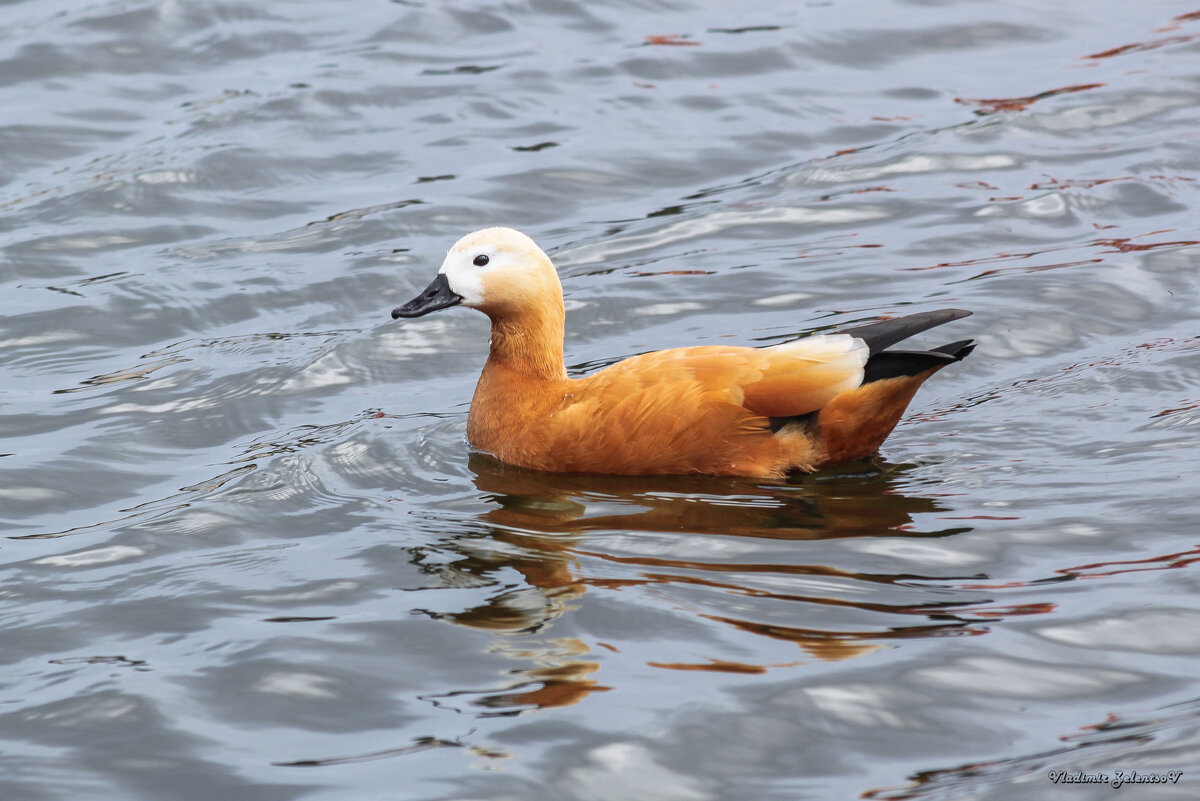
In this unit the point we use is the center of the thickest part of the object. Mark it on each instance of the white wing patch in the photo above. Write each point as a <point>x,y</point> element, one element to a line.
<point>839,351</point>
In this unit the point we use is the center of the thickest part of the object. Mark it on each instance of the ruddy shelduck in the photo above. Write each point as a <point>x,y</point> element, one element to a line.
<point>715,409</point>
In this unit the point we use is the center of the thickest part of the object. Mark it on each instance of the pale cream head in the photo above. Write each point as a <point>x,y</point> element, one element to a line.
<point>499,269</point>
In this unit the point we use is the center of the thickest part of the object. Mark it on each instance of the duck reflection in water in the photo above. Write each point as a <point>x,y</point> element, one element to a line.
<point>861,502</point>
<point>565,534</point>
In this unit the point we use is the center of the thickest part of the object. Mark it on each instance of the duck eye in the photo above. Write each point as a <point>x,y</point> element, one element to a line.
<point>481,260</point>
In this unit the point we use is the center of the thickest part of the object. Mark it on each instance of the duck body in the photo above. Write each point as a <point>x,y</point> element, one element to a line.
<point>717,410</point>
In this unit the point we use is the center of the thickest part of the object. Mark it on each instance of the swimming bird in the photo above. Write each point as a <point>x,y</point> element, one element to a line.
<point>720,410</point>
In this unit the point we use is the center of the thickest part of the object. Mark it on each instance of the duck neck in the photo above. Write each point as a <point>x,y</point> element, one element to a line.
<point>529,343</point>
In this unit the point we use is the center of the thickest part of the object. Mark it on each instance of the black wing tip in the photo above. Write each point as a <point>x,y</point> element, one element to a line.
<point>885,333</point>
<point>957,350</point>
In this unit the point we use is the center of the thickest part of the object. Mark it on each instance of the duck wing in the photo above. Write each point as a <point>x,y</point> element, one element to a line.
<point>780,381</point>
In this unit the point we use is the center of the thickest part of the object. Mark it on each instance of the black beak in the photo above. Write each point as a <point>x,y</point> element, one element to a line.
<point>437,295</point>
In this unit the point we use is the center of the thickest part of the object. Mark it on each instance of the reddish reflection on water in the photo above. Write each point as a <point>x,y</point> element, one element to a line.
<point>1022,103</point>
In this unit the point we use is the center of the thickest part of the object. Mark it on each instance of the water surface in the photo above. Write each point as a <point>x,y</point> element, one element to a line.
<point>249,555</point>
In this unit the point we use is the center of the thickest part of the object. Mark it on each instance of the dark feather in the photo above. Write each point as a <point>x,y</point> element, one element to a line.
<point>805,420</point>
<point>886,333</point>
<point>897,363</point>
<point>959,350</point>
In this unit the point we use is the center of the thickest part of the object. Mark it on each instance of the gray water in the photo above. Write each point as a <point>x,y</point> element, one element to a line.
<point>248,554</point>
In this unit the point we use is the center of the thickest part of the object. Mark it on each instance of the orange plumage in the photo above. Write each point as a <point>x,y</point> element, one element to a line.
<point>719,410</point>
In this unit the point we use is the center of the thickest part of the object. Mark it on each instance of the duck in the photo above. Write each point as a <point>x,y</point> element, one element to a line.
<point>759,412</point>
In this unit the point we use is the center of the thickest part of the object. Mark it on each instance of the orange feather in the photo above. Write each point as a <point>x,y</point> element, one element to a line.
<point>719,410</point>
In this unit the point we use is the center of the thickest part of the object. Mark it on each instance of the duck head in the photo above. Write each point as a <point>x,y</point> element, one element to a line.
<point>499,271</point>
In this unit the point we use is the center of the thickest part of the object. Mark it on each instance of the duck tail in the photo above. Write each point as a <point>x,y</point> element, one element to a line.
<point>855,423</point>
